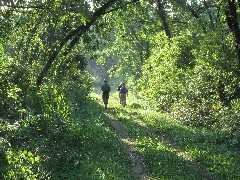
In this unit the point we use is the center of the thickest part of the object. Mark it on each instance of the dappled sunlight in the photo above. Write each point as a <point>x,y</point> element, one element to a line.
<point>177,119</point>
<point>162,141</point>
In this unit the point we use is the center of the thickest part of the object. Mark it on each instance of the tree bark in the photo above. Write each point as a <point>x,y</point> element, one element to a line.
<point>163,16</point>
<point>232,21</point>
<point>75,36</point>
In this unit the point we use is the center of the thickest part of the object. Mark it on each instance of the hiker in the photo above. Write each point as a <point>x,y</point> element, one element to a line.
<point>118,89</point>
<point>105,93</point>
<point>123,93</point>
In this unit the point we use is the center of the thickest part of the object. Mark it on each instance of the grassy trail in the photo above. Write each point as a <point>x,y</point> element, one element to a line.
<point>137,169</point>
<point>159,147</point>
<point>118,143</point>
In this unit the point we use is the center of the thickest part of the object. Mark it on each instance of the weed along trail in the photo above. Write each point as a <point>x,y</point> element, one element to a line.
<point>199,169</point>
<point>160,147</point>
<point>137,166</point>
<point>139,170</point>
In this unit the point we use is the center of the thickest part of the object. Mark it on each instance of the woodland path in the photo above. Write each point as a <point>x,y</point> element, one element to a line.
<point>138,168</point>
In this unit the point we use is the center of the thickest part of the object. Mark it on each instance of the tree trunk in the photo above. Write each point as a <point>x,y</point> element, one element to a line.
<point>232,20</point>
<point>163,17</point>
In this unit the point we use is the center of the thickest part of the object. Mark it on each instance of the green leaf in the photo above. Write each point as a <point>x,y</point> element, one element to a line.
<point>37,158</point>
<point>29,154</point>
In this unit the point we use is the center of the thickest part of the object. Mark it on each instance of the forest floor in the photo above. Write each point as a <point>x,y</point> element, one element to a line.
<point>139,169</point>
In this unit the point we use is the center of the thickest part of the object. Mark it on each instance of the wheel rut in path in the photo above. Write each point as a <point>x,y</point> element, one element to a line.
<point>137,166</point>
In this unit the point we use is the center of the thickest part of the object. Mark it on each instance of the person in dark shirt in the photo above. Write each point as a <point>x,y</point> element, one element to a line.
<point>105,93</point>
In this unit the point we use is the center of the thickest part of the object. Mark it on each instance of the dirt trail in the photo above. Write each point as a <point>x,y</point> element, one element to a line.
<point>137,166</point>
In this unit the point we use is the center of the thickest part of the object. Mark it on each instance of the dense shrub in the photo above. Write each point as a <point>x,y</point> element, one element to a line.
<point>13,84</point>
<point>194,80</point>
<point>36,119</point>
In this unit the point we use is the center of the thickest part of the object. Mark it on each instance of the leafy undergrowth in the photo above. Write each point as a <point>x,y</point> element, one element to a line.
<point>87,146</point>
<point>174,151</point>
<point>81,148</point>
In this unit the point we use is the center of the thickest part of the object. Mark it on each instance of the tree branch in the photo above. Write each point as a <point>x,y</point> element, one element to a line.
<point>75,36</point>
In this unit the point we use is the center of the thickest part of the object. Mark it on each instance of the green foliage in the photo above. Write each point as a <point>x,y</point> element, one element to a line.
<point>162,86</point>
<point>21,165</point>
<point>199,100</point>
<point>209,87</point>
<point>193,76</point>
<point>3,156</point>
<point>229,120</point>
<point>80,147</point>
<point>193,79</point>
<point>13,84</point>
<point>171,150</point>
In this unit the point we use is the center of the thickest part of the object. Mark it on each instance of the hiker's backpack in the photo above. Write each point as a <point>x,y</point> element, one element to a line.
<point>106,89</point>
<point>123,90</point>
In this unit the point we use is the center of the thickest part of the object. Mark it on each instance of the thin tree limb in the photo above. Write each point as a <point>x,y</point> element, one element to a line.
<point>75,34</point>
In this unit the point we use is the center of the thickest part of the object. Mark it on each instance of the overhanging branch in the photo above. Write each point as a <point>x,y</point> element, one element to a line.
<point>74,35</point>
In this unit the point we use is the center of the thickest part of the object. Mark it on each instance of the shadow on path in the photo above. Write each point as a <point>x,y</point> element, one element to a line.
<point>173,154</point>
<point>137,166</point>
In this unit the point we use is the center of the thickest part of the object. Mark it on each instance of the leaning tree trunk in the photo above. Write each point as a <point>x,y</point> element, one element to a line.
<point>232,20</point>
<point>163,16</point>
<point>74,36</point>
